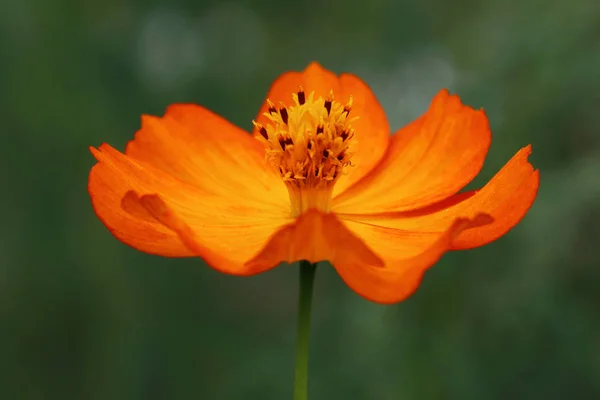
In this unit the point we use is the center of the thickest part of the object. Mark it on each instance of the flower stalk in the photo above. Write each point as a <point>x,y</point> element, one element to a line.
<point>307,277</point>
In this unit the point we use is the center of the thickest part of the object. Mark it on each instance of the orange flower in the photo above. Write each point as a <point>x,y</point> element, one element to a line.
<point>322,179</point>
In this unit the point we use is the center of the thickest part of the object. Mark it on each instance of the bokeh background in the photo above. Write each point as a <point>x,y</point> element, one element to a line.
<point>84,317</point>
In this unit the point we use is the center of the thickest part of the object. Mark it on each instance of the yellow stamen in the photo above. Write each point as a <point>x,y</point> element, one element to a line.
<point>307,144</point>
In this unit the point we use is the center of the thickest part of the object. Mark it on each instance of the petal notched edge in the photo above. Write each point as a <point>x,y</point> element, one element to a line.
<point>508,196</point>
<point>127,222</point>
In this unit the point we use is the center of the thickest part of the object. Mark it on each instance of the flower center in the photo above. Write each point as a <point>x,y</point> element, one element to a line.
<point>307,144</point>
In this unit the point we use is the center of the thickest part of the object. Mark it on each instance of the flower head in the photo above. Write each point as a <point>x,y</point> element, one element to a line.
<point>308,144</point>
<point>320,178</point>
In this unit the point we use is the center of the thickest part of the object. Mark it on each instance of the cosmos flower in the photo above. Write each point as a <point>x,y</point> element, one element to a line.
<point>320,178</point>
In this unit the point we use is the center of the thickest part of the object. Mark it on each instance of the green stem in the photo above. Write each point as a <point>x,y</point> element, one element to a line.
<point>307,277</point>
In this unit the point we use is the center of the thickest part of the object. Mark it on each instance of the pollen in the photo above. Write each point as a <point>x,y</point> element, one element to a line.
<point>307,144</point>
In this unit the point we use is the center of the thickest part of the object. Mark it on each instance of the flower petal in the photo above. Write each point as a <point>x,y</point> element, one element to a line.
<point>506,198</point>
<point>372,130</point>
<point>407,256</point>
<point>205,150</point>
<point>315,237</point>
<point>155,213</point>
<point>429,160</point>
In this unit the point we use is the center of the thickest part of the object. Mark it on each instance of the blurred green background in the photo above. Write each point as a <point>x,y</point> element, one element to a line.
<point>84,317</point>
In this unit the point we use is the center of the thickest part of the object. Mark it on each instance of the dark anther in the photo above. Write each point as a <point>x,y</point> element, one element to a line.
<point>340,157</point>
<point>289,142</point>
<point>335,175</point>
<point>345,135</point>
<point>282,143</point>
<point>328,106</point>
<point>263,132</point>
<point>325,153</point>
<point>320,129</point>
<point>272,110</point>
<point>309,145</point>
<point>301,97</point>
<point>284,114</point>
<point>347,110</point>
<point>317,172</point>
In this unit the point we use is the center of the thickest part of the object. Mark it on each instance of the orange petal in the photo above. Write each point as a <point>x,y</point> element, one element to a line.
<point>407,256</point>
<point>372,130</point>
<point>315,237</point>
<point>155,213</point>
<point>506,198</point>
<point>429,160</point>
<point>203,149</point>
